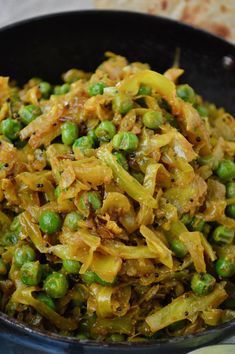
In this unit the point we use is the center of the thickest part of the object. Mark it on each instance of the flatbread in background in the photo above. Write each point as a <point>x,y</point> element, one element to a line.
<point>216,16</point>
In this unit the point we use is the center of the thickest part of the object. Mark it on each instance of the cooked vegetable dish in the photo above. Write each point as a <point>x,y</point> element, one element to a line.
<point>117,195</point>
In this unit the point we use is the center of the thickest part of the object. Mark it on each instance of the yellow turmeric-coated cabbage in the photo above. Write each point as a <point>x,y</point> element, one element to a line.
<point>117,204</point>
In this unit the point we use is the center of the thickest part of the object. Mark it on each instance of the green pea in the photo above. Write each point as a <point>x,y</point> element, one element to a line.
<point>49,222</point>
<point>29,113</point>
<point>82,336</point>
<point>96,89</point>
<point>223,234</point>
<point>116,337</point>
<point>94,200</point>
<point>187,93</point>
<point>145,90</point>
<point>121,159</point>
<point>45,89</point>
<point>179,248</point>
<point>226,170</point>
<point>153,119</point>
<point>83,143</point>
<point>71,266</point>
<point>15,225</point>
<point>90,200</point>
<point>9,238</point>
<point>196,224</point>
<point>230,211</point>
<point>31,273</point>
<point>122,104</point>
<point>93,136</point>
<point>90,277</point>
<point>64,88</point>
<point>224,267</point>
<point>71,220</point>
<point>61,90</point>
<point>125,141</point>
<point>202,110</point>
<point>138,175</point>
<point>69,132</point>
<point>3,267</point>
<point>230,190</point>
<point>24,254</point>
<point>57,192</point>
<point>47,300</point>
<point>105,131</point>
<point>10,128</point>
<point>3,165</point>
<point>202,283</point>
<point>56,285</point>
<point>56,90</point>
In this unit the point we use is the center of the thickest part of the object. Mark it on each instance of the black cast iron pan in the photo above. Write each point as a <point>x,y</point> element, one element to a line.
<point>49,45</point>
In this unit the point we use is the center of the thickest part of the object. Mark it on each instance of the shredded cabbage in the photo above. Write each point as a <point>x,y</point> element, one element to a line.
<point>115,189</point>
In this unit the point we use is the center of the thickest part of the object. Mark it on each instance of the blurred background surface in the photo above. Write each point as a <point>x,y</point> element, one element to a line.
<point>217,16</point>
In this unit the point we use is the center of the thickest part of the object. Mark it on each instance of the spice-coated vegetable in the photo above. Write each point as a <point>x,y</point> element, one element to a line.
<point>117,204</point>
